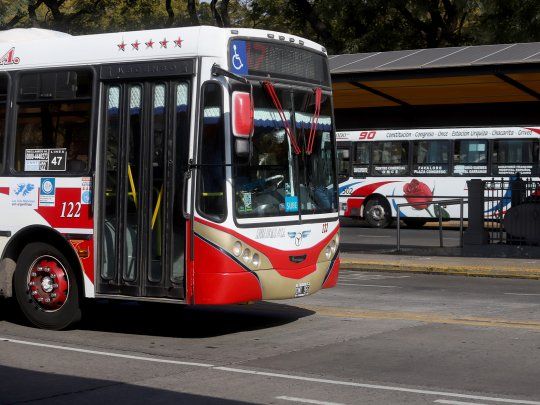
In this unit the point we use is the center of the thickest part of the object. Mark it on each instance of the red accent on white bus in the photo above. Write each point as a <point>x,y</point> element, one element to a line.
<point>242,114</point>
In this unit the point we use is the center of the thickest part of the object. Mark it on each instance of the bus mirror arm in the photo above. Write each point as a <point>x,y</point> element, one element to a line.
<point>219,71</point>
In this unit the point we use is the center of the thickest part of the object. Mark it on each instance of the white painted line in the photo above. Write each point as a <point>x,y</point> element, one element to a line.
<point>445,401</point>
<point>307,401</point>
<point>370,285</point>
<point>520,294</point>
<point>378,387</point>
<point>373,236</point>
<point>108,354</point>
<point>276,375</point>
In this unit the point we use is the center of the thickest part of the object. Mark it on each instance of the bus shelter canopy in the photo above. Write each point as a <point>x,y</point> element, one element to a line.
<point>438,76</point>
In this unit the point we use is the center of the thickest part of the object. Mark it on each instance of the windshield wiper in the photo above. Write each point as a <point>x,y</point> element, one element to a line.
<point>270,89</point>
<point>314,120</point>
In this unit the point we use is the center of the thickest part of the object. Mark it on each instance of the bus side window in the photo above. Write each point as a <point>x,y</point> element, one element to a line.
<point>211,185</point>
<point>511,156</point>
<point>343,159</point>
<point>53,122</point>
<point>470,157</point>
<point>361,160</point>
<point>390,158</point>
<point>431,157</point>
<point>3,111</point>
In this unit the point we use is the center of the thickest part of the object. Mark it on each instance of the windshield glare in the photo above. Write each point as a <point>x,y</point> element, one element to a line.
<point>277,182</point>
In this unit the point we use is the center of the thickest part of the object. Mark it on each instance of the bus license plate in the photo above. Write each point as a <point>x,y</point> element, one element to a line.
<point>302,289</point>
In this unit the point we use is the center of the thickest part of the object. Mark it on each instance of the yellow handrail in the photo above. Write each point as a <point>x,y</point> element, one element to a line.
<point>132,185</point>
<point>156,209</point>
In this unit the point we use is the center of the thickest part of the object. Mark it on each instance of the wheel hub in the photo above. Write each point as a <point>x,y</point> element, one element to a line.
<point>377,212</point>
<point>48,283</point>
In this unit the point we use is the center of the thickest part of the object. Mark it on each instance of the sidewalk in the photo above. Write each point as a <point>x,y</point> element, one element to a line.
<point>465,266</point>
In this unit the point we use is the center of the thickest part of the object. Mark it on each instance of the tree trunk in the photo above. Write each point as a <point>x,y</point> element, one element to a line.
<point>192,10</point>
<point>170,13</point>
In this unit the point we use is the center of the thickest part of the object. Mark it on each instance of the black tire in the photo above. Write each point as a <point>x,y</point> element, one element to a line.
<point>54,315</point>
<point>414,223</point>
<point>377,213</point>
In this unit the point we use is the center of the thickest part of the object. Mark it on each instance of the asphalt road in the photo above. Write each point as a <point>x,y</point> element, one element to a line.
<point>378,338</point>
<point>357,236</point>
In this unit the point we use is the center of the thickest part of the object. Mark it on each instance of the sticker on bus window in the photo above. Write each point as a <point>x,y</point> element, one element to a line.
<point>47,192</point>
<point>45,160</point>
<point>291,203</point>
<point>238,57</point>
<point>86,190</point>
<point>24,193</point>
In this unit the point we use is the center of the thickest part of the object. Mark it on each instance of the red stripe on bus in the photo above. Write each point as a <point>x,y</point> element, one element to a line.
<point>368,189</point>
<point>4,190</point>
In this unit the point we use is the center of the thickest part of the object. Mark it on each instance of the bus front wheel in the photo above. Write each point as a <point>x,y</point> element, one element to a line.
<point>377,213</point>
<point>46,287</point>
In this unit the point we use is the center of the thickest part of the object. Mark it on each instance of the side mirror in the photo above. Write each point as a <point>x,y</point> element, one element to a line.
<point>243,121</point>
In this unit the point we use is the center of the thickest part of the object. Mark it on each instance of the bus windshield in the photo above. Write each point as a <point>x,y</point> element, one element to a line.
<point>275,181</point>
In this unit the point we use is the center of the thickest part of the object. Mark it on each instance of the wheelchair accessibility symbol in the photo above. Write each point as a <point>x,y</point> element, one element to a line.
<point>238,54</point>
<point>236,60</point>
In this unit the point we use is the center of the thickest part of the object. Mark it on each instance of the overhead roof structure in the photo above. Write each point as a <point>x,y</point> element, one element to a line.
<point>437,76</point>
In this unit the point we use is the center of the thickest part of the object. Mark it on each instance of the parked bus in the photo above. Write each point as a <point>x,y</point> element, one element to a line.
<point>192,165</point>
<point>379,169</point>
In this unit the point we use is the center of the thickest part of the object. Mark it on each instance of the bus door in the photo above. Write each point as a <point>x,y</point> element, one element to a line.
<point>145,153</point>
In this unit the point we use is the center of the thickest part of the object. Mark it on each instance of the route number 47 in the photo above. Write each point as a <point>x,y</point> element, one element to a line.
<point>57,161</point>
<point>71,210</point>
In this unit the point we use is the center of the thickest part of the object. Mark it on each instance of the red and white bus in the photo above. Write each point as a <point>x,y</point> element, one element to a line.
<point>191,165</point>
<point>379,169</point>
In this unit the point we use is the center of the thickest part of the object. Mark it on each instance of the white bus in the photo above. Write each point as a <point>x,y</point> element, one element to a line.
<point>192,165</point>
<point>379,169</point>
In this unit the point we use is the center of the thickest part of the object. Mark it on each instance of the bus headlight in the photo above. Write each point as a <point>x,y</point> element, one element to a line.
<point>237,248</point>
<point>333,246</point>
<point>328,252</point>
<point>256,260</point>
<point>246,255</point>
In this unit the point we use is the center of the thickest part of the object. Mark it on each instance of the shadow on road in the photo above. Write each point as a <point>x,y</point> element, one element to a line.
<point>20,385</point>
<point>170,320</point>
<point>182,321</point>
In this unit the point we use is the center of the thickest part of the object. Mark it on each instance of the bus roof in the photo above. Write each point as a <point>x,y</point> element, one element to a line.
<point>439,133</point>
<point>35,48</point>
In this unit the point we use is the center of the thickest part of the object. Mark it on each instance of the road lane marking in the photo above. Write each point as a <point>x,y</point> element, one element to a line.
<point>307,401</point>
<point>520,294</point>
<point>371,285</point>
<point>371,236</point>
<point>108,354</point>
<point>445,401</point>
<point>274,375</point>
<point>340,312</point>
<point>378,387</point>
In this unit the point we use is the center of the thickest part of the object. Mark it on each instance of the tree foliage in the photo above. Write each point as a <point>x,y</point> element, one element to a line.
<point>340,25</point>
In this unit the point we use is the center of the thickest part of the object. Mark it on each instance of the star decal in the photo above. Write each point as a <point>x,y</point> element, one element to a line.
<point>136,44</point>
<point>122,46</point>
<point>149,44</point>
<point>164,43</point>
<point>178,42</point>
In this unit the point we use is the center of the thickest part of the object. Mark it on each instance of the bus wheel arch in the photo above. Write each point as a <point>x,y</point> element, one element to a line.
<point>34,234</point>
<point>377,211</point>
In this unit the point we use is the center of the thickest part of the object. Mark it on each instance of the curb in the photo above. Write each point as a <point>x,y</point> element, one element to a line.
<point>427,268</point>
